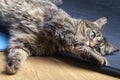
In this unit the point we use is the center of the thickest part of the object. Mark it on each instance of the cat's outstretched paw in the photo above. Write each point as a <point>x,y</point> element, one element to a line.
<point>13,66</point>
<point>104,61</point>
<point>100,61</point>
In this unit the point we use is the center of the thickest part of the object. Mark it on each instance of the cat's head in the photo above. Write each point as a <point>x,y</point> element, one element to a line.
<point>95,36</point>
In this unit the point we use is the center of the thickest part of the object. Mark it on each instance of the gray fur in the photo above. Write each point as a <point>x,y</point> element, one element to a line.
<point>39,27</point>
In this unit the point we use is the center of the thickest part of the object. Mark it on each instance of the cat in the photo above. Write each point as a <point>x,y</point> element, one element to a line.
<point>39,27</point>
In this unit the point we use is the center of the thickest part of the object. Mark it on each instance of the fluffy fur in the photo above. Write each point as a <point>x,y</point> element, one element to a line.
<point>39,27</point>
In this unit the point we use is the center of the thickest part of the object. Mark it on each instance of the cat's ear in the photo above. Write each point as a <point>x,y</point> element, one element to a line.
<point>101,22</point>
<point>110,48</point>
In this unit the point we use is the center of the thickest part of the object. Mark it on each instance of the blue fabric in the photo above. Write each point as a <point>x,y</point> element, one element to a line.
<point>3,41</point>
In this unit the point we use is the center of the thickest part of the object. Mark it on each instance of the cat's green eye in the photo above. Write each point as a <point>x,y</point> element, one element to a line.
<point>92,35</point>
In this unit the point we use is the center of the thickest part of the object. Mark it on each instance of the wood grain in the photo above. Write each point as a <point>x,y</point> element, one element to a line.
<point>51,68</point>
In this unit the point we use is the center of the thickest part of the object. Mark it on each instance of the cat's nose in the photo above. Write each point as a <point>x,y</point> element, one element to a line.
<point>92,44</point>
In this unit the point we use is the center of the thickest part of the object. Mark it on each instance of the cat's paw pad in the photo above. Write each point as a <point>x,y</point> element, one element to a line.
<point>13,66</point>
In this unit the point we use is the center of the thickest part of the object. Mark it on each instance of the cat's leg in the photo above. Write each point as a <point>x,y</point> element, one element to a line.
<point>88,54</point>
<point>17,54</point>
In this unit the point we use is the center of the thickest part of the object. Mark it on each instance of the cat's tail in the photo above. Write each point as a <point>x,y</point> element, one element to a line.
<point>57,2</point>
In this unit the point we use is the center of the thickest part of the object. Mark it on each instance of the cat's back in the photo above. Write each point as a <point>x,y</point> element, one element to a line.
<point>15,12</point>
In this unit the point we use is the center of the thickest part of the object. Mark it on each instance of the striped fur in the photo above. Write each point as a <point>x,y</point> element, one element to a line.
<point>39,27</point>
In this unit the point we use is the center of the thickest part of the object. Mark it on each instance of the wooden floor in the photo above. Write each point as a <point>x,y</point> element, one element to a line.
<point>51,68</point>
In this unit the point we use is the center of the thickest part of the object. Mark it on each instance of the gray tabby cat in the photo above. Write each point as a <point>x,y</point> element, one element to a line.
<point>39,27</point>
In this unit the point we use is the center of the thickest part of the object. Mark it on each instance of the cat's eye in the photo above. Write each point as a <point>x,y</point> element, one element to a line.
<point>92,35</point>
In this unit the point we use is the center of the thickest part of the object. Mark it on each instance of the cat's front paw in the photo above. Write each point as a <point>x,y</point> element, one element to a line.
<point>104,61</point>
<point>13,66</point>
<point>100,61</point>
